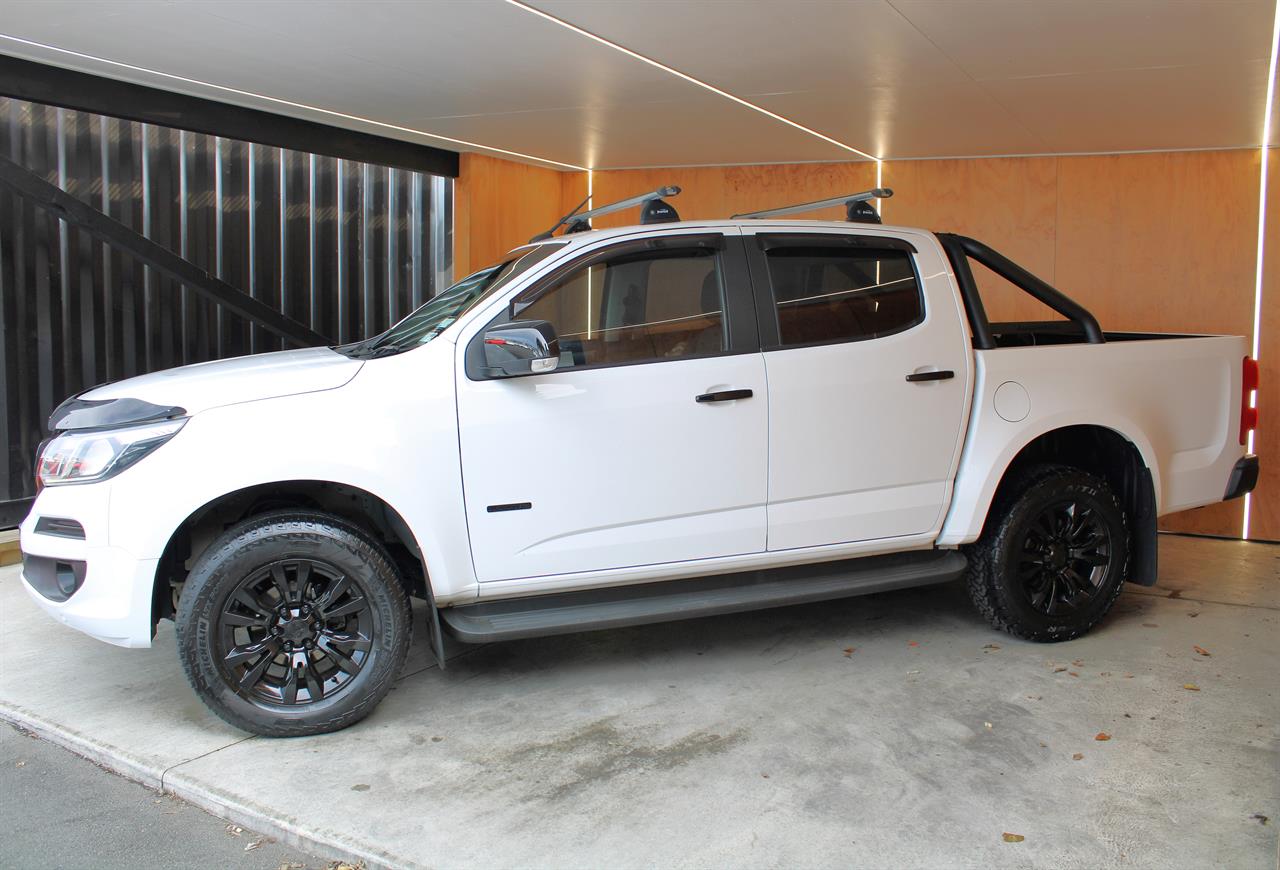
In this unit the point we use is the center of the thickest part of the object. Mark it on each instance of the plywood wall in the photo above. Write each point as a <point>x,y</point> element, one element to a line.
<point>499,204</point>
<point>1153,242</point>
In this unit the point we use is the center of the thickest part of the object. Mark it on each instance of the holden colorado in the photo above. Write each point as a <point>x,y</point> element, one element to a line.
<point>614,427</point>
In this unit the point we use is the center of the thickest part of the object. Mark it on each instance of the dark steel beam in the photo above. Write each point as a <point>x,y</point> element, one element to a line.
<point>55,86</point>
<point>63,205</point>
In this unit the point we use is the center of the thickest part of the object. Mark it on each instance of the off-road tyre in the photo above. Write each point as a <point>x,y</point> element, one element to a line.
<point>374,600</point>
<point>1006,555</point>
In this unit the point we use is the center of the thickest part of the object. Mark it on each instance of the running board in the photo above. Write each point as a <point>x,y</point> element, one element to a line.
<point>618,606</point>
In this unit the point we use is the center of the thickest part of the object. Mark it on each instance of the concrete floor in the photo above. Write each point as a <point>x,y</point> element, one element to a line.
<point>892,730</point>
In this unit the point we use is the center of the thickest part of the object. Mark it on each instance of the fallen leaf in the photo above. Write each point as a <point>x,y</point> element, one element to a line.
<point>1200,650</point>
<point>1035,697</point>
<point>360,786</point>
<point>1105,674</point>
<point>1079,756</point>
<point>1073,673</point>
<point>1102,735</point>
<point>765,775</point>
<point>1012,838</point>
<point>849,651</point>
<point>1261,818</point>
<point>1150,625</point>
<point>438,739</point>
<point>1191,687</point>
<point>1079,663</point>
<point>1128,676</point>
<point>992,646</point>
<point>1193,614</point>
<point>1127,716</point>
<point>1059,670</point>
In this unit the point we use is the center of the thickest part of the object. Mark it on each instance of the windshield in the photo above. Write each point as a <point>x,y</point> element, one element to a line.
<point>438,314</point>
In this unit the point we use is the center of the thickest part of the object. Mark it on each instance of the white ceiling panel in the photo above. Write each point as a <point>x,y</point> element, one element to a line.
<point>1165,108</point>
<point>998,39</point>
<point>897,78</point>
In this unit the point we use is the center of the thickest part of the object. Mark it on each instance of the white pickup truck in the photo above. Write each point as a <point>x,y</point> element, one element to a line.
<point>614,427</point>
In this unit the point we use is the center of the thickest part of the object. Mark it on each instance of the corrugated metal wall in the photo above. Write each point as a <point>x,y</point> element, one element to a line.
<point>345,247</point>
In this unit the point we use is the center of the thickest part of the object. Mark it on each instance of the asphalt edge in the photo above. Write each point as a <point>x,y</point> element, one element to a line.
<point>100,754</point>
<point>173,782</point>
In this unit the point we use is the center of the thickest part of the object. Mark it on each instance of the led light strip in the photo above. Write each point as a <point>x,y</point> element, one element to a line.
<point>688,78</point>
<point>279,102</point>
<point>1262,227</point>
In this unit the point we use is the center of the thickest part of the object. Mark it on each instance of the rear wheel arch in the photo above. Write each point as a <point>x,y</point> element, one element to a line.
<point>204,525</point>
<point>1112,456</point>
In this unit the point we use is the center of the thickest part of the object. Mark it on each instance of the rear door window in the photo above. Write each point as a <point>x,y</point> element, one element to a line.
<point>840,293</point>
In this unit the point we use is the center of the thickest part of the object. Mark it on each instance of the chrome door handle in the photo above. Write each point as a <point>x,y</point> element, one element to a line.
<point>724,396</point>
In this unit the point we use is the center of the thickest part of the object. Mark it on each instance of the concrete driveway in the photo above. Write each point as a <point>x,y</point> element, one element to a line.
<point>895,729</point>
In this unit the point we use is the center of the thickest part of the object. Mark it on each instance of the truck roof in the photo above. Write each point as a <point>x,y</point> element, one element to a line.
<point>634,229</point>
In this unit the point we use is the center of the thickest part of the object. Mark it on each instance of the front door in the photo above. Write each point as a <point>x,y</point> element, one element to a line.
<point>611,461</point>
<point>869,367</point>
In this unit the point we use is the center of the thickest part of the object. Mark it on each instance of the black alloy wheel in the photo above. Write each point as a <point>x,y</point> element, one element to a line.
<point>1065,558</point>
<point>293,623</point>
<point>1053,556</point>
<point>295,632</point>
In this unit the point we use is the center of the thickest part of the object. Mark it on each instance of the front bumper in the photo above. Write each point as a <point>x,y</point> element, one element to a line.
<point>1244,477</point>
<point>101,590</point>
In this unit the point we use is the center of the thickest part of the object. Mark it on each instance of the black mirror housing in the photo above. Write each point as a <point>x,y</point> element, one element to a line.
<point>520,348</point>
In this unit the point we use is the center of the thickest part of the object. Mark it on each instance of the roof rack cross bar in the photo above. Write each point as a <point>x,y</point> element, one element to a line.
<point>846,200</point>
<point>584,218</point>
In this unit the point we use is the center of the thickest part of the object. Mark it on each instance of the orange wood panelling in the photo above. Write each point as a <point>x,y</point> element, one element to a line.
<point>499,205</point>
<point>1008,203</point>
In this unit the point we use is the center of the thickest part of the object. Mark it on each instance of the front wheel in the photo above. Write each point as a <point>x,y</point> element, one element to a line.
<point>1053,556</point>
<point>293,623</point>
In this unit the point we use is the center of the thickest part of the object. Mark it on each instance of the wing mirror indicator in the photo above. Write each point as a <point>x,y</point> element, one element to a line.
<point>520,348</point>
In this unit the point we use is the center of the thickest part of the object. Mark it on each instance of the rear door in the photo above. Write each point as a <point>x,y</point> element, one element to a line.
<point>612,461</point>
<point>869,370</point>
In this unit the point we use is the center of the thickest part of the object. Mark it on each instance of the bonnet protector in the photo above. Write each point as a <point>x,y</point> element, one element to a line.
<point>78,413</point>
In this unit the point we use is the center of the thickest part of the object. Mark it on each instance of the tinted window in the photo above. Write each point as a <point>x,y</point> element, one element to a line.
<point>636,308</point>
<point>843,294</point>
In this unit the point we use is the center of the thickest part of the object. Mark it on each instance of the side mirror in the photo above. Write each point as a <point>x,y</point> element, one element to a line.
<point>522,347</point>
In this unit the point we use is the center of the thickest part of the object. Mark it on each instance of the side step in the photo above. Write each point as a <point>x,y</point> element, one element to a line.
<point>617,606</point>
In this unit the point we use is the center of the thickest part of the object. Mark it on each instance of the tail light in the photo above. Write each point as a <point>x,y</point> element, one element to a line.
<point>1248,413</point>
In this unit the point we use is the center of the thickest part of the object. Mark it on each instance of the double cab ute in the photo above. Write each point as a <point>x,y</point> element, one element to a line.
<point>613,427</point>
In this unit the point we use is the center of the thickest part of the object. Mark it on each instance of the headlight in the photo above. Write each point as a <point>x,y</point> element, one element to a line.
<point>83,457</point>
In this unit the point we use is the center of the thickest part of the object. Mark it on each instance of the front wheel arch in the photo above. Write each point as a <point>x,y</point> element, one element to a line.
<point>206,523</point>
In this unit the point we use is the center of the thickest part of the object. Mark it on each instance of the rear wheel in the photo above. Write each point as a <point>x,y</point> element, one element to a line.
<point>1053,556</point>
<point>293,623</point>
